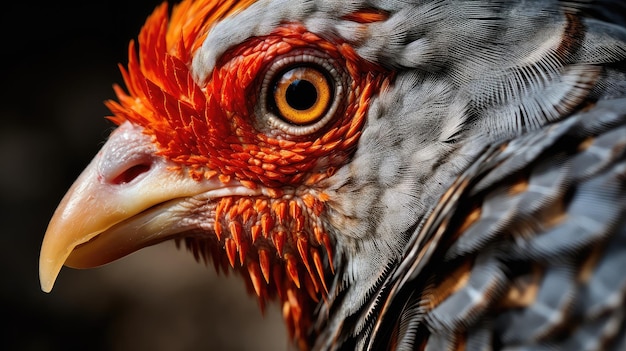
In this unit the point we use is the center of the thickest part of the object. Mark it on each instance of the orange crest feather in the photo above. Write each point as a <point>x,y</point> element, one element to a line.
<point>210,131</point>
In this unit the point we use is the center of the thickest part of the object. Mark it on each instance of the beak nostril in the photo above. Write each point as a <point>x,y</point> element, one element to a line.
<point>131,173</point>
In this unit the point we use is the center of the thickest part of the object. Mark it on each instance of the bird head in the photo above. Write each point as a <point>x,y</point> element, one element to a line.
<point>303,143</point>
<point>228,155</point>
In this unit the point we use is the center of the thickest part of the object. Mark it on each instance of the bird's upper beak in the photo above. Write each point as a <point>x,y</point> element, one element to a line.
<point>126,199</point>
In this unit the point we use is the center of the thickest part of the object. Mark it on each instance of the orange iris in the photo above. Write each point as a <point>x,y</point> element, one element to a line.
<point>302,95</point>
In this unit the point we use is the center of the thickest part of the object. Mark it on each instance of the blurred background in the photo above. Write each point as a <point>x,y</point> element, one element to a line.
<point>60,62</point>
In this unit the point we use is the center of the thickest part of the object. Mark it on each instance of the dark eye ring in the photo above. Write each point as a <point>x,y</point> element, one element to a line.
<point>301,93</point>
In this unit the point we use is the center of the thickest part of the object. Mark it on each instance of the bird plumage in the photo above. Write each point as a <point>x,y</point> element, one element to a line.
<point>398,175</point>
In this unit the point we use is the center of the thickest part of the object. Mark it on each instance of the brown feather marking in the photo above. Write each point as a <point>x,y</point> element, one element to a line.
<point>523,290</point>
<point>368,15</point>
<point>552,216</point>
<point>588,264</point>
<point>470,219</point>
<point>572,36</point>
<point>439,291</point>
<point>460,342</point>
<point>583,145</point>
<point>519,187</point>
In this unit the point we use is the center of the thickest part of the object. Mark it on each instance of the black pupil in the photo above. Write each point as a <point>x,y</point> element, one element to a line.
<point>301,94</point>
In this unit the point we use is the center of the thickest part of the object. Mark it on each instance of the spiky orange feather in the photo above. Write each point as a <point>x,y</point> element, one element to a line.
<point>209,131</point>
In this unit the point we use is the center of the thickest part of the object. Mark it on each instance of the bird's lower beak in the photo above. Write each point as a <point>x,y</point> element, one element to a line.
<point>126,199</point>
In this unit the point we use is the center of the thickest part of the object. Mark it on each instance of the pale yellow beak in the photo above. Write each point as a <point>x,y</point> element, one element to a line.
<point>126,199</point>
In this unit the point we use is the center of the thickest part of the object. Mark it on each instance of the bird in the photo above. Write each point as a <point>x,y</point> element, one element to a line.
<point>396,175</point>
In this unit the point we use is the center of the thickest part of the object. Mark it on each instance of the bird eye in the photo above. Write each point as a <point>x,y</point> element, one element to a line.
<point>302,95</point>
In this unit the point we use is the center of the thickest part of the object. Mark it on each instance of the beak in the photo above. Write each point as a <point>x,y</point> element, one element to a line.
<point>126,199</point>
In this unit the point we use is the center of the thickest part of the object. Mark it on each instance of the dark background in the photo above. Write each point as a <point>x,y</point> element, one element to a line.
<point>59,64</point>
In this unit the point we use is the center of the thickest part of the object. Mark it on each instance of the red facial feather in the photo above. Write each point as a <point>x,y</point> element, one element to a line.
<point>212,131</point>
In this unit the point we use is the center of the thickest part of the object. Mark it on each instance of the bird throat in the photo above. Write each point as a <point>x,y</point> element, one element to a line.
<point>279,246</point>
